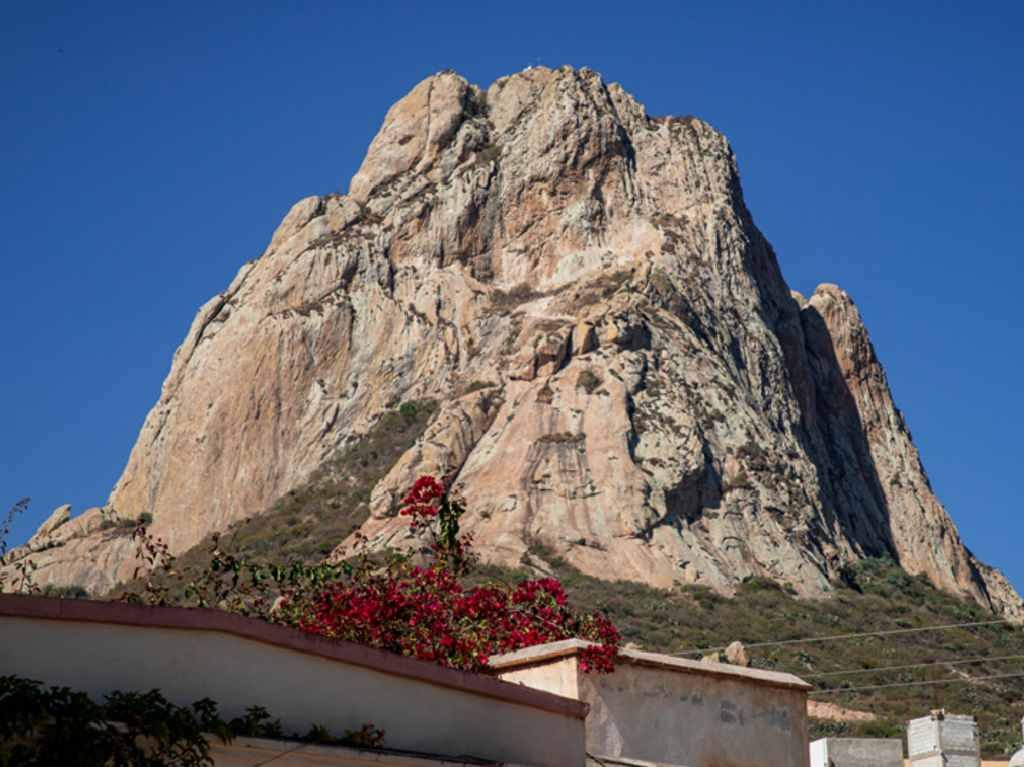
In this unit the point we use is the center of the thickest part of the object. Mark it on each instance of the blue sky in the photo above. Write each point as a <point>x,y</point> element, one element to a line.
<point>146,154</point>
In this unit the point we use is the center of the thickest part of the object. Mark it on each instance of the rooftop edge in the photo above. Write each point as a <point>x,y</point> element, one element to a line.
<point>539,654</point>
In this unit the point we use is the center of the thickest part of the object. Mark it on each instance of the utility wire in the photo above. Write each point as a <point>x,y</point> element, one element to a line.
<point>908,667</point>
<point>840,690</point>
<point>861,635</point>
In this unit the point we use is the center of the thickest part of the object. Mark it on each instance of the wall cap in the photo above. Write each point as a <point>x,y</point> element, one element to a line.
<point>553,651</point>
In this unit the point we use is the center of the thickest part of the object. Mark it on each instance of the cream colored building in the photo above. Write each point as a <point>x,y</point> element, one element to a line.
<point>665,710</point>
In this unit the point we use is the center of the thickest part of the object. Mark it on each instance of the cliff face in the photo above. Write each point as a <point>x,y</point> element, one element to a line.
<point>624,375</point>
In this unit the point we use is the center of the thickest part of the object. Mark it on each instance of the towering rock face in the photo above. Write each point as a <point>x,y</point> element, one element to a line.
<point>624,376</point>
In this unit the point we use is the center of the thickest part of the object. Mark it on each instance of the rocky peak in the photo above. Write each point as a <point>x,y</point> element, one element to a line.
<point>623,375</point>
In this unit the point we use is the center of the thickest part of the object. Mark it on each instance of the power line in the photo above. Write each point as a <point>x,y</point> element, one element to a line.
<point>840,690</point>
<point>861,635</point>
<point>910,666</point>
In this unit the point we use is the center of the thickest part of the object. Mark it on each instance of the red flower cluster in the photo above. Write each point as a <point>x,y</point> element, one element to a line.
<point>423,500</point>
<point>426,612</point>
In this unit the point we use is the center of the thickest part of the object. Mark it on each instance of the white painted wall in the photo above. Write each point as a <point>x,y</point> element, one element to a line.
<point>300,688</point>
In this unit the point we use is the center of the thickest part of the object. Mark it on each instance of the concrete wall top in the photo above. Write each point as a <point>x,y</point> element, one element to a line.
<point>544,653</point>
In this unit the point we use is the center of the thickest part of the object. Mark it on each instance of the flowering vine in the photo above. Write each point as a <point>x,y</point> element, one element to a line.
<point>425,611</point>
<point>420,609</point>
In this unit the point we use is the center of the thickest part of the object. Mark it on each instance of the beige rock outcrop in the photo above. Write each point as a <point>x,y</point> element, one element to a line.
<point>59,516</point>
<point>833,712</point>
<point>736,654</point>
<point>656,404</point>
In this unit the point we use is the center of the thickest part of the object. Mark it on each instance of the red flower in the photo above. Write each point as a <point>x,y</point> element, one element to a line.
<point>423,498</point>
<point>427,612</point>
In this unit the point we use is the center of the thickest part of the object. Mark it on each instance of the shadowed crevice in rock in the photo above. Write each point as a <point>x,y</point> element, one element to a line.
<point>687,501</point>
<point>851,491</point>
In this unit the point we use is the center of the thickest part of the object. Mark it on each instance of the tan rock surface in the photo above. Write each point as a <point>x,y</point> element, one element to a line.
<point>832,712</point>
<point>736,654</point>
<point>653,403</point>
<point>59,516</point>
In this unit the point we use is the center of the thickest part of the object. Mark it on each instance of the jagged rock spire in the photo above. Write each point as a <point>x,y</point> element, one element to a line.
<point>624,376</point>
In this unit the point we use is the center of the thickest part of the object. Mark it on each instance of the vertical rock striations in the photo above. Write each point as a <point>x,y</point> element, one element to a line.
<point>625,375</point>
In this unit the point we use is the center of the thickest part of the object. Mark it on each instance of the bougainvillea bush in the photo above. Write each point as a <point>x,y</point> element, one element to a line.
<point>414,604</point>
<point>424,610</point>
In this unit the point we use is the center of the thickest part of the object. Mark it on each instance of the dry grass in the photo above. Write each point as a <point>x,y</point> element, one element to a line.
<point>877,596</point>
<point>308,522</point>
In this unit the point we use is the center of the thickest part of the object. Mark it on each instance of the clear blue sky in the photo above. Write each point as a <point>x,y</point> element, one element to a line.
<point>146,154</point>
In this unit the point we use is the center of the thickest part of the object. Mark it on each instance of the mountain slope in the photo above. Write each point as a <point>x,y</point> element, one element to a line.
<point>876,596</point>
<point>623,374</point>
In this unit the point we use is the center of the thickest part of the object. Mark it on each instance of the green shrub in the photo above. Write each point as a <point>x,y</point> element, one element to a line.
<point>588,380</point>
<point>44,726</point>
<point>57,726</point>
<point>73,591</point>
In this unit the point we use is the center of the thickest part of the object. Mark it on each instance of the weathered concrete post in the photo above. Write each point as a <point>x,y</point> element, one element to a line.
<point>857,752</point>
<point>943,740</point>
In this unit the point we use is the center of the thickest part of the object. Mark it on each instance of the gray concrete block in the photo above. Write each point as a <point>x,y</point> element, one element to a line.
<point>857,752</point>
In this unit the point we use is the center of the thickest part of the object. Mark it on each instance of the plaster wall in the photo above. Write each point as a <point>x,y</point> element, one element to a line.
<point>693,719</point>
<point>922,736</point>
<point>300,688</point>
<point>960,733</point>
<point>857,752</point>
<point>661,709</point>
<point>559,678</point>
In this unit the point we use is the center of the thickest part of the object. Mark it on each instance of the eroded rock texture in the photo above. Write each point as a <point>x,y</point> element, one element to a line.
<point>625,375</point>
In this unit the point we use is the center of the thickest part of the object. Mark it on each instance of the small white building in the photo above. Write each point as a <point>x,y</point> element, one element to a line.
<point>943,740</point>
<point>670,711</point>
